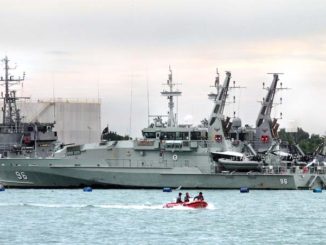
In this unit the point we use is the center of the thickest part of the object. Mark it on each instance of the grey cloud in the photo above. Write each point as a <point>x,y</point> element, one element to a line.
<point>58,53</point>
<point>166,23</point>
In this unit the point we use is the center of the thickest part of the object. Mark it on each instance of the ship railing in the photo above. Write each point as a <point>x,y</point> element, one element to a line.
<point>67,100</point>
<point>271,169</point>
<point>119,163</point>
<point>312,180</point>
<point>11,129</point>
<point>204,143</point>
<point>6,147</point>
<point>163,163</point>
<point>317,169</point>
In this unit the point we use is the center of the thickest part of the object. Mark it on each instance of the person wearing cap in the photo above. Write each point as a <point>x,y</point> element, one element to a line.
<point>179,199</point>
<point>187,197</point>
<point>200,197</point>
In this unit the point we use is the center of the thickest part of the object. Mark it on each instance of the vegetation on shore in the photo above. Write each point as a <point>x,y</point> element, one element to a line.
<point>110,135</point>
<point>308,143</point>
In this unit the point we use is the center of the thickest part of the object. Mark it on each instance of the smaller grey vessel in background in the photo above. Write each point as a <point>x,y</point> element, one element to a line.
<point>17,138</point>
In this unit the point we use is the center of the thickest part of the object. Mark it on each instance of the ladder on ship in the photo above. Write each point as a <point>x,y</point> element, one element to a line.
<point>312,180</point>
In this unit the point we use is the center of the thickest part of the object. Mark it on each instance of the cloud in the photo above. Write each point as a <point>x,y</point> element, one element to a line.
<point>76,44</point>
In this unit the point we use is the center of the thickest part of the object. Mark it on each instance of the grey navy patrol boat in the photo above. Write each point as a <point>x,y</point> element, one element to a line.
<point>168,155</point>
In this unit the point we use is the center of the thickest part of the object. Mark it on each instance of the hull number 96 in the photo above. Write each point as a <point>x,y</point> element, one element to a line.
<point>284,181</point>
<point>21,175</point>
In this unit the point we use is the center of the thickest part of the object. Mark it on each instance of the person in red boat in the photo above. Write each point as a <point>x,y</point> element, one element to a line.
<point>187,197</point>
<point>200,197</point>
<point>179,198</point>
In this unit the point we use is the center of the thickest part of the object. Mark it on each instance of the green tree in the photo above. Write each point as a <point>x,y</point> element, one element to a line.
<point>113,136</point>
<point>307,143</point>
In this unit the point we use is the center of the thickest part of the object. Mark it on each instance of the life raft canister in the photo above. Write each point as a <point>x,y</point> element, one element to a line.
<point>26,139</point>
<point>218,138</point>
<point>264,138</point>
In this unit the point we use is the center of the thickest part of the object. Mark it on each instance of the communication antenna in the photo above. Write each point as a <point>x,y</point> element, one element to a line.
<point>267,104</point>
<point>234,97</point>
<point>170,94</point>
<point>147,98</point>
<point>99,102</point>
<point>53,97</point>
<point>130,111</point>
<point>217,86</point>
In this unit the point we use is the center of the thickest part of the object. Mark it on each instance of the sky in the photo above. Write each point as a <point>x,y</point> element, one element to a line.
<point>120,52</point>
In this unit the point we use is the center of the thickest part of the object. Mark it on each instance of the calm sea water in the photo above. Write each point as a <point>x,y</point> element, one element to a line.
<point>137,217</point>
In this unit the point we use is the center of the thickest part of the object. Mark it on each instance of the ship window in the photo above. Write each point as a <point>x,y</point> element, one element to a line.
<point>242,136</point>
<point>195,135</point>
<point>173,146</point>
<point>182,136</point>
<point>41,129</point>
<point>233,135</point>
<point>149,135</point>
<point>168,135</point>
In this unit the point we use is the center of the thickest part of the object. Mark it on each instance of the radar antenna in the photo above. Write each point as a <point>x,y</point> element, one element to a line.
<point>170,94</point>
<point>11,114</point>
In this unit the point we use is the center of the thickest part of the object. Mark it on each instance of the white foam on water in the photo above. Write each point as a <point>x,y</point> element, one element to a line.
<point>107,206</point>
<point>11,204</point>
<point>118,206</point>
<point>54,205</point>
<point>210,206</point>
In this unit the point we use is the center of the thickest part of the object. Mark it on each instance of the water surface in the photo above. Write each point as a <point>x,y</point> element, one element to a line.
<point>115,216</point>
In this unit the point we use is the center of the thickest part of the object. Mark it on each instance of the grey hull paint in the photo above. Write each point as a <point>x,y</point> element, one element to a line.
<point>45,177</point>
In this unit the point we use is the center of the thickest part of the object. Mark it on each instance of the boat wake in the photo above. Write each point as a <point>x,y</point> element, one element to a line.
<point>104,206</point>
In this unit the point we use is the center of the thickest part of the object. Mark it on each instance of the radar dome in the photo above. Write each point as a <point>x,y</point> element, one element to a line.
<point>236,122</point>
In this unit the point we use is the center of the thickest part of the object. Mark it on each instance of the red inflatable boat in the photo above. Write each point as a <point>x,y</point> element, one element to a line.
<point>194,204</point>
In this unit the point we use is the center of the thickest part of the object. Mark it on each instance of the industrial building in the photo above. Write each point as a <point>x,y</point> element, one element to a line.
<point>76,120</point>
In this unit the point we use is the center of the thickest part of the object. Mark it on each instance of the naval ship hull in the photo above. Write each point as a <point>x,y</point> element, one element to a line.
<point>28,173</point>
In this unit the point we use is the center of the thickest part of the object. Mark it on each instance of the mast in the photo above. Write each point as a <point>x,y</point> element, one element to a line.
<point>222,95</point>
<point>216,123</point>
<point>11,115</point>
<point>172,118</point>
<point>217,86</point>
<point>266,128</point>
<point>267,104</point>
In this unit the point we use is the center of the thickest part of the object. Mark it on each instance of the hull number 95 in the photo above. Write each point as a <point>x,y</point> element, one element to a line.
<point>284,181</point>
<point>21,175</point>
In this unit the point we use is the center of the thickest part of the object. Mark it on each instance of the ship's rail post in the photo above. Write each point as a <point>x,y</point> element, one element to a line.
<point>312,180</point>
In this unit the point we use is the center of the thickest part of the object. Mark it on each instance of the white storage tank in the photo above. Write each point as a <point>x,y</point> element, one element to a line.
<point>76,120</point>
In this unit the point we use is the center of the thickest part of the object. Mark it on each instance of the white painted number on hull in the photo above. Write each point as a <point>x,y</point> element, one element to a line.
<point>21,175</point>
<point>284,181</point>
